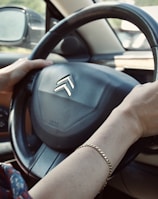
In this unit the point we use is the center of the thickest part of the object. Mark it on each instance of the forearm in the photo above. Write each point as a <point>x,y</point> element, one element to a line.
<point>3,81</point>
<point>84,173</point>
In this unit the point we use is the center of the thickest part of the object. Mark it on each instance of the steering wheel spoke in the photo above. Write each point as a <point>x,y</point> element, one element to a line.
<point>45,159</point>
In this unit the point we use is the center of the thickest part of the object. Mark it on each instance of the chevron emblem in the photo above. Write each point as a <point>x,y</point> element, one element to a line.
<point>65,84</point>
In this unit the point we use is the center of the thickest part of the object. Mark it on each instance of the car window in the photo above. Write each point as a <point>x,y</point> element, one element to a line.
<point>37,24</point>
<point>129,35</point>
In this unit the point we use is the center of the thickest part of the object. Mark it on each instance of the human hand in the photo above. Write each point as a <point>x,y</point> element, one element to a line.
<point>142,104</point>
<point>13,73</point>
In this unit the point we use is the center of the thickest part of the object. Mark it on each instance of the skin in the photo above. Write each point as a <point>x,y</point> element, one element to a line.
<point>83,174</point>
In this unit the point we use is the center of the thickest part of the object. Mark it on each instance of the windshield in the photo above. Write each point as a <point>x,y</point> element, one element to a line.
<point>129,35</point>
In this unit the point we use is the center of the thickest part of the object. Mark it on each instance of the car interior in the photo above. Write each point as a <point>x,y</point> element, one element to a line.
<point>100,51</point>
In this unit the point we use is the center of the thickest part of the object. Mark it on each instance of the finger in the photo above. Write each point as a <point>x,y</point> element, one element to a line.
<point>28,65</point>
<point>39,63</point>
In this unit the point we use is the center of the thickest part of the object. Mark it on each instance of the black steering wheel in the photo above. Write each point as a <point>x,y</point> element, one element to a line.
<point>67,102</point>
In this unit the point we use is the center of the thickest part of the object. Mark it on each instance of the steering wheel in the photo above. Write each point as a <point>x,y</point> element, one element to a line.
<point>67,102</point>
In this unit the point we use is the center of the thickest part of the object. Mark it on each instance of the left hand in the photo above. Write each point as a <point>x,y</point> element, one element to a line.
<point>141,105</point>
<point>13,73</point>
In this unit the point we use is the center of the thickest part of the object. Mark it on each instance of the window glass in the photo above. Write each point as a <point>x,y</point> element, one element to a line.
<point>15,28</point>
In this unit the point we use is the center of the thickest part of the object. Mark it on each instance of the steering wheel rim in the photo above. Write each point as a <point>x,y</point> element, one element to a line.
<point>32,163</point>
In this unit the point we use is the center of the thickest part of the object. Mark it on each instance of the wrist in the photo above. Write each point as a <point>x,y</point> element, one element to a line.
<point>128,116</point>
<point>2,81</point>
<point>117,134</point>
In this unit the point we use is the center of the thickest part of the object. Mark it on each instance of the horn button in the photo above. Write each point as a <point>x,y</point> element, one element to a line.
<point>68,102</point>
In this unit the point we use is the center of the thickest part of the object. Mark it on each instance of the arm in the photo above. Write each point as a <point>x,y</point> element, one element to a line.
<point>83,173</point>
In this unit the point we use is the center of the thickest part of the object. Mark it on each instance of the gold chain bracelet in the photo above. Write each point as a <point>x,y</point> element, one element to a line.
<point>102,154</point>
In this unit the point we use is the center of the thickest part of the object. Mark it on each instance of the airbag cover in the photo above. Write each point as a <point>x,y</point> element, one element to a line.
<point>71,100</point>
